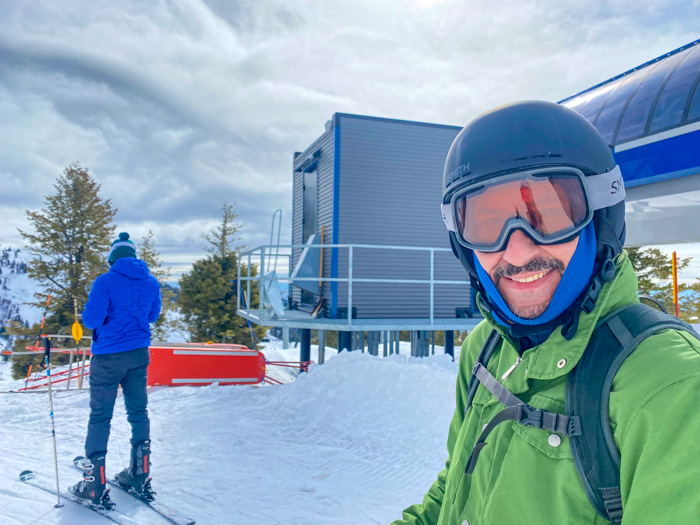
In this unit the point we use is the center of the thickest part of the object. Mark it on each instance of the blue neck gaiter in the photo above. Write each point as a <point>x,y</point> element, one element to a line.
<point>571,286</point>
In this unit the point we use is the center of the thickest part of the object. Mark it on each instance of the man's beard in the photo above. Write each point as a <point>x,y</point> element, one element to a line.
<point>537,264</point>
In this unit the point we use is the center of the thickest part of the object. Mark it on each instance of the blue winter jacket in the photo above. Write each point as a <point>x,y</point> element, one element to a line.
<point>121,305</point>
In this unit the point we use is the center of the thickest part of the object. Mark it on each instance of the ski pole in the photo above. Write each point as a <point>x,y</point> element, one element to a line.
<point>47,355</point>
<point>43,318</point>
<point>38,337</point>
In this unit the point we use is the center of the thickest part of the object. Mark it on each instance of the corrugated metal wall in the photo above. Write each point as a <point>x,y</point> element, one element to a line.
<point>325,205</point>
<point>390,193</point>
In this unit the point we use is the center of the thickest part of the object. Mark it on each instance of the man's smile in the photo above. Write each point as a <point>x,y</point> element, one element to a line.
<point>530,278</point>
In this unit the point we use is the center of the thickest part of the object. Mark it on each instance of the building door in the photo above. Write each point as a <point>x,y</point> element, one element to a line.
<point>309,219</point>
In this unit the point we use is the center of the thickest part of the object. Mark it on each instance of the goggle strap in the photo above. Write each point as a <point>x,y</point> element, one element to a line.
<point>605,189</point>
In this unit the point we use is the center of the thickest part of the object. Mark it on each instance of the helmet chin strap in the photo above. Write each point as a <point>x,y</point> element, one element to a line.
<point>605,272</point>
<point>609,246</point>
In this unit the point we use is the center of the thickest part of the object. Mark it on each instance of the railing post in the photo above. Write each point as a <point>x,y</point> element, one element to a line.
<point>82,370</point>
<point>350,256</point>
<point>432,285</point>
<point>249,299</point>
<point>238,285</point>
<point>70,369</point>
<point>260,283</point>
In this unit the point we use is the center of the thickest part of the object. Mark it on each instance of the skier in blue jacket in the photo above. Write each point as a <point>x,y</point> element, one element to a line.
<point>122,304</point>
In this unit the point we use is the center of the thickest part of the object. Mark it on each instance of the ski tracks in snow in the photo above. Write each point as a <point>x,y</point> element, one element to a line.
<point>354,441</point>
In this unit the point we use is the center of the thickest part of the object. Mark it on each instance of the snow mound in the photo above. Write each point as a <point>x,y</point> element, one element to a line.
<point>354,441</point>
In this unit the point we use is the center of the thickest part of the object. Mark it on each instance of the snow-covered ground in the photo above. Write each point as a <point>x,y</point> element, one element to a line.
<point>354,441</point>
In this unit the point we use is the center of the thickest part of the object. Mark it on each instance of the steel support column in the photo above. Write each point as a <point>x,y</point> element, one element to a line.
<point>344,341</point>
<point>450,343</point>
<point>305,351</point>
<point>321,347</point>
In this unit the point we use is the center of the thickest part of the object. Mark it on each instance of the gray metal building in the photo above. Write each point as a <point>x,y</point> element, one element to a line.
<point>376,181</point>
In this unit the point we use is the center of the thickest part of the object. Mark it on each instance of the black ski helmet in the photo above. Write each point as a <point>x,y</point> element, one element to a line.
<point>529,135</point>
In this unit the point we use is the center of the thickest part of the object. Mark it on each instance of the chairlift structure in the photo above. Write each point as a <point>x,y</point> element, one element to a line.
<point>367,237</point>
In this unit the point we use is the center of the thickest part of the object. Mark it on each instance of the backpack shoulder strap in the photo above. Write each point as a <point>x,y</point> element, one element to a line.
<point>595,454</point>
<point>484,356</point>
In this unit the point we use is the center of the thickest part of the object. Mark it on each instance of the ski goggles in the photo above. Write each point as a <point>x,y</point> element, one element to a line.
<point>551,205</point>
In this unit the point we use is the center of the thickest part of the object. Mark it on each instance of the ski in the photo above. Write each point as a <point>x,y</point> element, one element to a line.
<point>29,477</point>
<point>168,513</point>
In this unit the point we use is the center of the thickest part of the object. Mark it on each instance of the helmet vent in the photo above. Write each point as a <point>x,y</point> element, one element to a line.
<point>543,156</point>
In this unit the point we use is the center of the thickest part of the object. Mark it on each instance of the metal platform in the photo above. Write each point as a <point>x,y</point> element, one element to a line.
<point>265,313</point>
<point>298,319</point>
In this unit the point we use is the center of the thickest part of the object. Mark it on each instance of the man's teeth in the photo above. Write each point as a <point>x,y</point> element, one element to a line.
<point>532,277</point>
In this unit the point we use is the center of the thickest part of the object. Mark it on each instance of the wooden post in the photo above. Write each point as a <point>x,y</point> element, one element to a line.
<point>29,373</point>
<point>675,284</point>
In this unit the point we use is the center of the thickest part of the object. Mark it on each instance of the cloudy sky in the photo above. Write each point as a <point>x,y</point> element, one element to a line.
<point>176,106</point>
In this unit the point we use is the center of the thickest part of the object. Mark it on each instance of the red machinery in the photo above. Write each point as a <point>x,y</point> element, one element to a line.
<point>190,364</point>
<point>196,364</point>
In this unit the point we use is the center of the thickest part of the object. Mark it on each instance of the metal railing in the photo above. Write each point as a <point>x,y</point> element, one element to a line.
<point>257,257</point>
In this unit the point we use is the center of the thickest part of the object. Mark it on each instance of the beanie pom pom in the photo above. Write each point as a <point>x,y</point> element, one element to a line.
<point>123,236</point>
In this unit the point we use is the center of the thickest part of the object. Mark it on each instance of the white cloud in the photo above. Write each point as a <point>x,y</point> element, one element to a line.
<point>179,106</point>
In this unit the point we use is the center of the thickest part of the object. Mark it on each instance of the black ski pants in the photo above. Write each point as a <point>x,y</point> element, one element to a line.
<point>107,372</point>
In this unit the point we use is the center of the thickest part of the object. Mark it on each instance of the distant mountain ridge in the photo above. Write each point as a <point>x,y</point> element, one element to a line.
<point>16,289</point>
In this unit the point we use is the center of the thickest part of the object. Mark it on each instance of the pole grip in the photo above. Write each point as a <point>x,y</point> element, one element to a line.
<point>47,349</point>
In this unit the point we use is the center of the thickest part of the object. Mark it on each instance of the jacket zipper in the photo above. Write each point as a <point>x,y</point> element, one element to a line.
<point>510,370</point>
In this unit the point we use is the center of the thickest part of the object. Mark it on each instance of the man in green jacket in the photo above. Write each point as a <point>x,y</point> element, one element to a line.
<point>534,205</point>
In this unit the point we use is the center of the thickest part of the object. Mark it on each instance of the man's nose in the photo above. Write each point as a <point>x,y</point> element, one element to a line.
<point>520,249</point>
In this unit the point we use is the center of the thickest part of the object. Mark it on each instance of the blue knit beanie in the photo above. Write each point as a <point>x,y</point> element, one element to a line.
<point>122,247</point>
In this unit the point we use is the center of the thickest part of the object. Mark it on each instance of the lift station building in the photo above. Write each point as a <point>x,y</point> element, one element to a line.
<point>368,238</point>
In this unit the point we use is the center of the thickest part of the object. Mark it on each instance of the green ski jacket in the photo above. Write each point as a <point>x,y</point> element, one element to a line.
<point>526,475</point>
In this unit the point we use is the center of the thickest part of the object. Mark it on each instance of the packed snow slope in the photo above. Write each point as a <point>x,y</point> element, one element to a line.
<point>354,441</point>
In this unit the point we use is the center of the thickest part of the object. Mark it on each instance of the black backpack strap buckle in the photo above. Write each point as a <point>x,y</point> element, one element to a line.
<point>545,420</point>
<point>612,500</point>
<point>529,417</point>
<point>574,427</point>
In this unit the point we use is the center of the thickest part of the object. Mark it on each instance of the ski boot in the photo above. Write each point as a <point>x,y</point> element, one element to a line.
<point>136,478</point>
<point>92,491</point>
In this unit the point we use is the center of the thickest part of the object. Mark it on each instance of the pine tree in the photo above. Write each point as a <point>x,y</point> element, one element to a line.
<point>208,292</point>
<point>167,321</point>
<point>654,271</point>
<point>220,240</point>
<point>69,242</point>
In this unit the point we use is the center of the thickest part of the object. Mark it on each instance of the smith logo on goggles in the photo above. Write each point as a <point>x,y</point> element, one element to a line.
<point>550,204</point>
